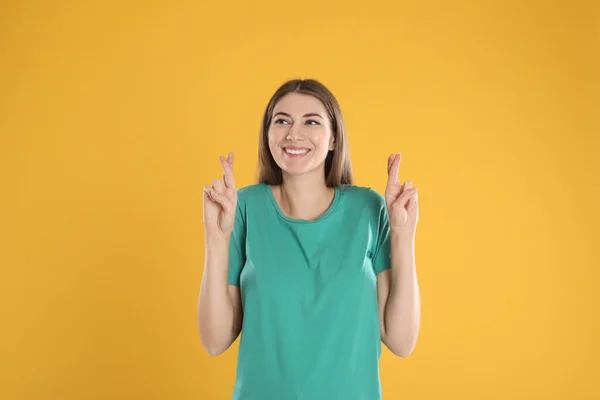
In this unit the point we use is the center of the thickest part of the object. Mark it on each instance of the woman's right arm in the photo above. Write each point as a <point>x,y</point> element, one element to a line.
<point>219,303</point>
<point>220,306</point>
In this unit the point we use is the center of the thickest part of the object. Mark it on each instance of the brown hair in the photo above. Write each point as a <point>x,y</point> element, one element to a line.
<point>338,166</point>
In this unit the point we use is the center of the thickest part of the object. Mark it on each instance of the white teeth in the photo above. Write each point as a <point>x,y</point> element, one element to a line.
<point>302,151</point>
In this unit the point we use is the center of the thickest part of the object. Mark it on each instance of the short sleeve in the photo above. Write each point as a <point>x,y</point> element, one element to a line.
<point>382,255</point>
<point>237,248</point>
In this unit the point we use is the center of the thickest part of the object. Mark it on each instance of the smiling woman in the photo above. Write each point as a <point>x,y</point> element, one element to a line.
<point>304,113</point>
<point>301,263</point>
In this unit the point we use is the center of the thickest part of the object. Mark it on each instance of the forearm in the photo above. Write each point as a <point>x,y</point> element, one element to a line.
<point>215,308</point>
<point>402,312</point>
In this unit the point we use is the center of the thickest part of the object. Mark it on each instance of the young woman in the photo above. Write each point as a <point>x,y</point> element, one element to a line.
<point>314,271</point>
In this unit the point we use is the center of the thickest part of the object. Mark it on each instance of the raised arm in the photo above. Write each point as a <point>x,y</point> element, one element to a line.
<point>219,304</point>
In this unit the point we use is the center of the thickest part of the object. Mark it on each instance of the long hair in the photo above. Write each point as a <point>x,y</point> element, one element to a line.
<point>338,166</point>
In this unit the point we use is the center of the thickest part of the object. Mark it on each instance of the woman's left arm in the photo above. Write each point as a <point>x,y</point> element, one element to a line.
<point>399,299</point>
<point>397,287</point>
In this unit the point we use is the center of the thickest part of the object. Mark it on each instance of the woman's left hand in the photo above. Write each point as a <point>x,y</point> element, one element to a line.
<point>401,201</point>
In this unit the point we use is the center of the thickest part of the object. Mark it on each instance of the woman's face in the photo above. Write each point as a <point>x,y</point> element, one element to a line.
<point>300,134</point>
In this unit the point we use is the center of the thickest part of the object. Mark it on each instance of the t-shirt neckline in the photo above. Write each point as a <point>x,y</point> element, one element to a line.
<point>327,213</point>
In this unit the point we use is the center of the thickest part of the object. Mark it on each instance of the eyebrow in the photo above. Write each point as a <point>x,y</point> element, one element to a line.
<point>305,115</point>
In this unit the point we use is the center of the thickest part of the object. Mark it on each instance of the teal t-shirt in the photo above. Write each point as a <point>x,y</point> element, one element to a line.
<point>311,323</point>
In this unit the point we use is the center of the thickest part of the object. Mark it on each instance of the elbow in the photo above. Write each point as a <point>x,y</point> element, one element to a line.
<point>215,341</point>
<point>212,347</point>
<point>402,350</point>
<point>399,347</point>
<point>210,343</point>
<point>213,351</point>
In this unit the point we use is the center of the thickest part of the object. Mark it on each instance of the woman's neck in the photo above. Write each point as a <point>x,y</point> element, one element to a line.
<point>304,197</point>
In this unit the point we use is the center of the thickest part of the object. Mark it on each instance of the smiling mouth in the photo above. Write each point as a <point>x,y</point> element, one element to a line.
<point>296,152</point>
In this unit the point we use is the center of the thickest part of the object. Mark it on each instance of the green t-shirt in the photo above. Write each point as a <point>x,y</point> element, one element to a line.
<point>309,296</point>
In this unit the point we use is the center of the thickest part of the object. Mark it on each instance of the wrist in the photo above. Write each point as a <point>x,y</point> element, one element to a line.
<point>216,252</point>
<point>402,238</point>
<point>217,239</point>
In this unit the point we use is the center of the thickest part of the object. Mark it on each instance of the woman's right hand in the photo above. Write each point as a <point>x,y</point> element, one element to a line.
<point>220,201</point>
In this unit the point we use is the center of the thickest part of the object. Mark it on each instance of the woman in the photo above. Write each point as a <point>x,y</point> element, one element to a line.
<point>318,271</point>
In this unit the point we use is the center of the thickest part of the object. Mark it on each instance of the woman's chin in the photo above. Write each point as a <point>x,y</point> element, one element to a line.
<point>297,170</point>
<point>299,166</point>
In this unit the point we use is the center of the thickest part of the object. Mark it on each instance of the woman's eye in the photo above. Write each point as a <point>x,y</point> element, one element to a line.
<point>280,121</point>
<point>312,122</point>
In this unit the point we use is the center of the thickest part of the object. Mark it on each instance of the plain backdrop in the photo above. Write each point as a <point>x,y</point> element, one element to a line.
<point>112,118</point>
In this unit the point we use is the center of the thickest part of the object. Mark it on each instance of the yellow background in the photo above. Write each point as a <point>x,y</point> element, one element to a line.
<point>112,117</point>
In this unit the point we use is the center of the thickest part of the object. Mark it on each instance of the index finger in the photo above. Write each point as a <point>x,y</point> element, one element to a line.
<point>228,170</point>
<point>393,170</point>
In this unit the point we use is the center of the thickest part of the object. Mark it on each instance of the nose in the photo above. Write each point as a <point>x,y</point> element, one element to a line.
<point>294,133</point>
